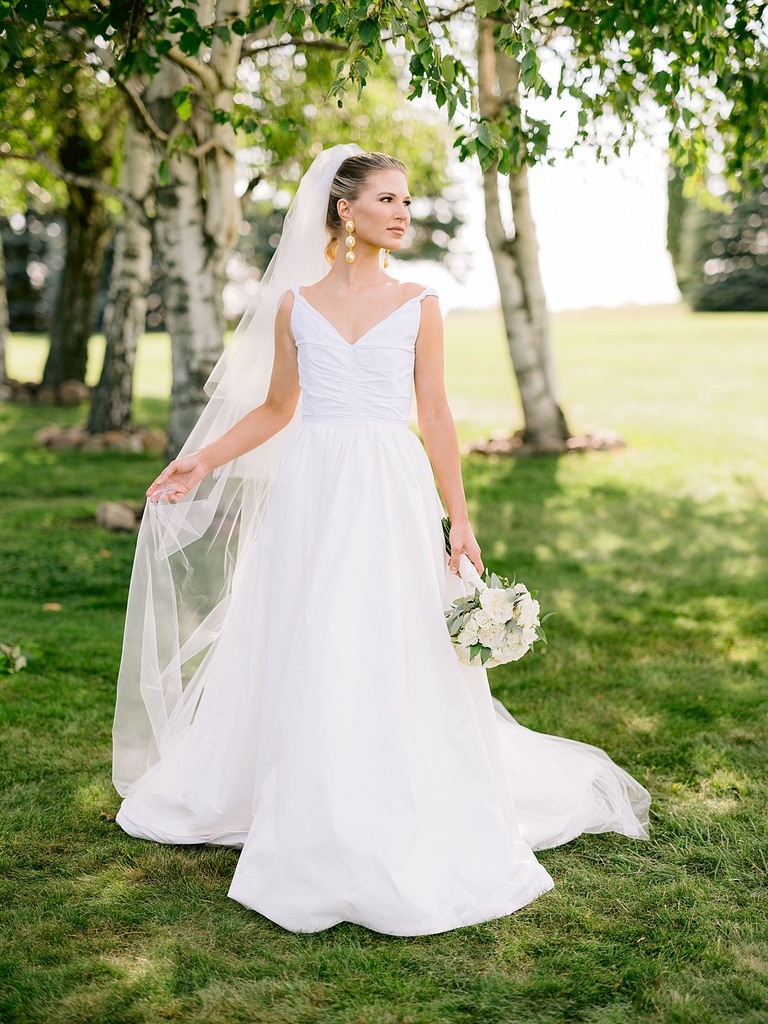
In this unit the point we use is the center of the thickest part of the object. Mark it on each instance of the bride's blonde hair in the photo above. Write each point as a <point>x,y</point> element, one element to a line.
<point>348,184</point>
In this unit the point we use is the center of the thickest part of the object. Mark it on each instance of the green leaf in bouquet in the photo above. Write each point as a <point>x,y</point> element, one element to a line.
<point>485,654</point>
<point>456,621</point>
<point>476,649</point>
<point>514,627</point>
<point>547,616</point>
<point>540,633</point>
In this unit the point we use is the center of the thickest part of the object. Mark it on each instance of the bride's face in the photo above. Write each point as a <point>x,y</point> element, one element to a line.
<point>381,212</point>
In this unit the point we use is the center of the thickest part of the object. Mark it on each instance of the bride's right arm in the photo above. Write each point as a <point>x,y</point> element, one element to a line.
<point>256,427</point>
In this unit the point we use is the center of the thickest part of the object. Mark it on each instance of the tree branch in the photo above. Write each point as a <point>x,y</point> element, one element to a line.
<point>141,111</point>
<point>250,44</point>
<point>203,72</point>
<point>299,41</point>
<point>78,180</point>
<point>107,59</point>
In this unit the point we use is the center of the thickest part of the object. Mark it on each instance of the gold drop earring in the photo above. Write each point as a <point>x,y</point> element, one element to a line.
<point>386,258</point>
<point>350,241</point>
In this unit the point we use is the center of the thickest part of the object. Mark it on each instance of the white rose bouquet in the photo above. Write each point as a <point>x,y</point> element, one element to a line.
<point>497,621</point>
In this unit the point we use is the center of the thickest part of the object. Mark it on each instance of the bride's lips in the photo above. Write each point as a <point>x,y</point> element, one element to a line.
<point>397,231</point>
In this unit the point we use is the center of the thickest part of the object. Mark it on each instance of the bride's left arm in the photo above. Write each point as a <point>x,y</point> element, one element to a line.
<point>439,432</point>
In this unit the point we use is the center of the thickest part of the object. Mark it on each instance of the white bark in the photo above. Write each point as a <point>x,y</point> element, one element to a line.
<point>516,260</point>
<point>126,310</point>
<point>197,217</point>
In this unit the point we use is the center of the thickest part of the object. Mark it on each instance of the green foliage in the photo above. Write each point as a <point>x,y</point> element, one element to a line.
<point>655,559</point>
<point>51,100</point>
<point>703,66</point>
<point>285,121</point>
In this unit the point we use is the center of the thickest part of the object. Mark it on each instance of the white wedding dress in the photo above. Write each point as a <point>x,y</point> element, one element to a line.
<point>367,775</point>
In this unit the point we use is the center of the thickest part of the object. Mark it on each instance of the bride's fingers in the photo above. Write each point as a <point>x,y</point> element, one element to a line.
<point>159,482</point>
<point>476,560</point>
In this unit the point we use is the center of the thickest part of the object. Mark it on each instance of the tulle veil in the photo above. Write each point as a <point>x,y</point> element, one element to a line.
<point>188,554</point>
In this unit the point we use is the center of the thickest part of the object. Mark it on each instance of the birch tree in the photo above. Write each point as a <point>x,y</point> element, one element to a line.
<point>697,68</point>
<point>516,259</point>
<point>697,71</point>
<point>126,310</point>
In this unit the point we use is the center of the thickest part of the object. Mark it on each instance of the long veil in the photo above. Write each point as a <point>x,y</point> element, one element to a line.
<point>188,555</point>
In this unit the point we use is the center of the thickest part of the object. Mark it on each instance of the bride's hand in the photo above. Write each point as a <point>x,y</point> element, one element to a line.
<point>177,479</point>
<point>463,541</point>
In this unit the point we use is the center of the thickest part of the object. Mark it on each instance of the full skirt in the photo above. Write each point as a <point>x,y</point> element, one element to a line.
<point>367,775</point>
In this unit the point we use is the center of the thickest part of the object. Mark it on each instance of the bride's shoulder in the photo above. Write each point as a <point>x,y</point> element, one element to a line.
<point>416,291</point>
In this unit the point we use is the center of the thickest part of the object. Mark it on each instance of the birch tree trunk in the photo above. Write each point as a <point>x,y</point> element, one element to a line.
<point>516,261</point>
<point>197,217</point>
<point>4,319</point>
<point>125,315</point>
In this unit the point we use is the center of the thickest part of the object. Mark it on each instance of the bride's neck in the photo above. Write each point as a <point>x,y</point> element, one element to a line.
<point>365,272</point>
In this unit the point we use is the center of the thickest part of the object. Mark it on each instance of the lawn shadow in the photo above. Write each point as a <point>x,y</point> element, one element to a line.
<point>658,648</point>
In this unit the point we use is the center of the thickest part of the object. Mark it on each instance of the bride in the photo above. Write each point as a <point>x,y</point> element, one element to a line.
<point>288,685</point>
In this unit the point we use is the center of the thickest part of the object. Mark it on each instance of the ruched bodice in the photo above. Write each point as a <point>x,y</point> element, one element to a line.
<point>370,381</point>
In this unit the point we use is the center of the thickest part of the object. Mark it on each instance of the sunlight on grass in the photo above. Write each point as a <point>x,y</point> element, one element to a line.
<point>654,558</point>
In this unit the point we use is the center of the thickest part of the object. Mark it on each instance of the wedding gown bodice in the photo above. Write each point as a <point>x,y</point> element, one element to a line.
<point>368,382</point>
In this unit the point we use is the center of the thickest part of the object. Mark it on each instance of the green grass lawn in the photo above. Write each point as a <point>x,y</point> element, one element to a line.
<point>654,558</point>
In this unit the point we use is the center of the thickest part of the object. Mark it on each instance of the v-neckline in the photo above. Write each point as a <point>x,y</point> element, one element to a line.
<point>370,330</point>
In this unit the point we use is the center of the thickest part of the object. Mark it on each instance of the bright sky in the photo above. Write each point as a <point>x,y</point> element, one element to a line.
<point>602,236</point>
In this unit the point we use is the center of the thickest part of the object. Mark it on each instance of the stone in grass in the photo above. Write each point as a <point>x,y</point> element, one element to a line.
<point>137,440</point>
<point>134,443</point>
<point>94,443</point>
<point>23,392</point>
<point>73,392</point>
<point>69,437</point>
<point>46,396</point>
<point>45,435</point>
<point>596,441</point>
<point>117,516</point>
<point>154,441</point>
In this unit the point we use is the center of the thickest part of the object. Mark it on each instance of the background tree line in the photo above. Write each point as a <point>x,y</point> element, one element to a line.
<point>136,115</point>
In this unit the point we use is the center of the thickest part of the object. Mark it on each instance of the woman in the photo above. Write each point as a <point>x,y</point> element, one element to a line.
<point>288,685</point>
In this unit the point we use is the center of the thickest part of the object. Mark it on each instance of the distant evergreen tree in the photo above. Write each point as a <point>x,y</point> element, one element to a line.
<point>721,259</point>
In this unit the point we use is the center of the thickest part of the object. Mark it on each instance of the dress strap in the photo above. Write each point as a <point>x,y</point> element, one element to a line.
<point>429,290</point>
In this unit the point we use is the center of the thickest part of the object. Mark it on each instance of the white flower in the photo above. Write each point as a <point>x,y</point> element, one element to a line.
<point>468,632</point>
<point>496,604</point>
<point>514,647</point>
<point>481,619</point>
<point>493,635</point>
<point>530,635</point>
<point>527,611</point>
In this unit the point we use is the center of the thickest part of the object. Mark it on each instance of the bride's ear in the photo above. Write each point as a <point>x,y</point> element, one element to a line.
<point>343,209</point>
